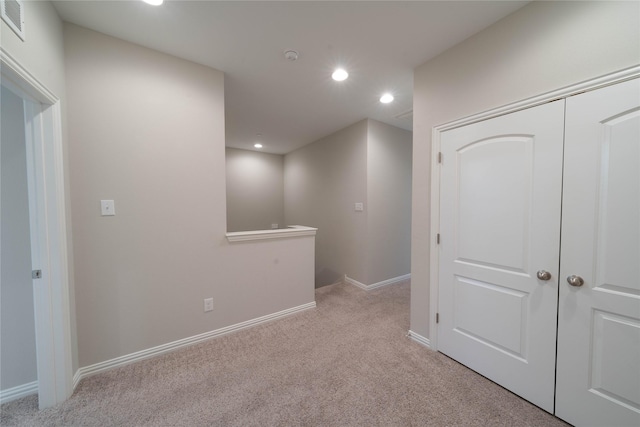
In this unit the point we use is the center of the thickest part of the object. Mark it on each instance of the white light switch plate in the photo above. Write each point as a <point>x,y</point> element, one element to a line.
<point>107,207</point>
<point>359,207</point>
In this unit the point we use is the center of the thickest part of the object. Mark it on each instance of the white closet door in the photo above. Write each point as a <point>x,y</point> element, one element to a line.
<point>599,322</point>
<point>501,185</point>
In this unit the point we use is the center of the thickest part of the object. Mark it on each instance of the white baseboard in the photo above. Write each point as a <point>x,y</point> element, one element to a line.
<point>76,379</point>
<point>17,392</point>
<point>185,342</point>
<point>420,339</point>
<point>387,282</point>
<point>354,282</point>
<point>340,281</point>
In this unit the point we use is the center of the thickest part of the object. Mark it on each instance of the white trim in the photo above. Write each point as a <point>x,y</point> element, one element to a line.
<point>283,233</point>
<point>17,392</point>
<point>76,379</point>
<point>348,280</point>
<point>434,259</point>
<point>48,231</point>
<point>339,281</point>
<point>434,246</point>
<point>554,95</point>
<point>185,342</point>
<point>21,77</point>
<point>387,282</point>
<point>420,339</point>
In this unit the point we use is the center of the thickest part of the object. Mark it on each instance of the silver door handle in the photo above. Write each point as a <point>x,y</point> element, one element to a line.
<point>543,275</point>
<point>574,280</point>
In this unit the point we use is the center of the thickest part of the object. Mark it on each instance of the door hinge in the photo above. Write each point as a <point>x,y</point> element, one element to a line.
<point>36,274</point>
<point>440,157</point>
<point>437,317</point>
<point>438,238</point>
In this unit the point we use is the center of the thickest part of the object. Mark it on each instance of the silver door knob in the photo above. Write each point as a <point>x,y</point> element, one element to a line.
<point>543,275</point>
<point>574,280</point>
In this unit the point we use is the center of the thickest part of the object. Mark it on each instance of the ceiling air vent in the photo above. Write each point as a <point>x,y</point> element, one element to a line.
<point>13,15</point>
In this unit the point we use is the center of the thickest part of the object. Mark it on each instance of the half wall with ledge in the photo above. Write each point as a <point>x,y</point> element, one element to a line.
<point>278,271</point>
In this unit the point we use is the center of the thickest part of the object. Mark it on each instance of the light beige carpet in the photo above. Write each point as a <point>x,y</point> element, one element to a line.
<point>346,363</point>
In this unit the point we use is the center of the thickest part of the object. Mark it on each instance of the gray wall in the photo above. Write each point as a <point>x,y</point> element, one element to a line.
<point>147,130</point>
<point>541,47</point>
<point>389,201</point>
<point>42,53</point>
<point>368,162</point>
<point>323,180</point>
<point>17,332</point>
<point>255,190</point>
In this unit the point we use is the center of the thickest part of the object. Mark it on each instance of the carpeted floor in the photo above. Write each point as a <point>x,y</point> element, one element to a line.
<point>346,363</point>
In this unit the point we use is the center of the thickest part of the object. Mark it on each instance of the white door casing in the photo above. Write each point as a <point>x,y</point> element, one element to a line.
<point>48,231</point>
<point>500,223</point>
<point>598,371</point>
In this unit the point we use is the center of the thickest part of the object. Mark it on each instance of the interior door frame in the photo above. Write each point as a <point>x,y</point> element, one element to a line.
<point>434,248</point>
<point>45,176</point>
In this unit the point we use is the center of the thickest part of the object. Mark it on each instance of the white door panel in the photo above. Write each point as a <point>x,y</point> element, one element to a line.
<point>500,223</point>
<point>599,323</point>
<point>505,165</point>
<point>474,305</point>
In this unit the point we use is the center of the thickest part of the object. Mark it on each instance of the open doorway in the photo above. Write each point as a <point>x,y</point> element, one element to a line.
<point>18,367</point>
<point>47,246</point>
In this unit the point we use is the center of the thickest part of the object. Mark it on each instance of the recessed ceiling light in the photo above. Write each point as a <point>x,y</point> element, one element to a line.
<point>154,2</point>
<point>257,145</point>
<point>386,98</point>
<point>339,75</point>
